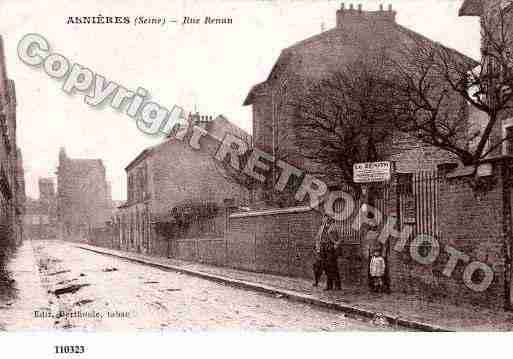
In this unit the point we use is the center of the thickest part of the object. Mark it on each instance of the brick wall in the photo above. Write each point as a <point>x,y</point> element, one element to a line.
<point>159,245</point>
<point>203,250</point>
<point>278,241</point>
<point>102,237</point>
<point>472,222</point>
<point>271,241</point>
<point>275,241</point>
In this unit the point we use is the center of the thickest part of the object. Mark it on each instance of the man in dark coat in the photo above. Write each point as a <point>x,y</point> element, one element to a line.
<point>318,269</point>
<point>327,255</point>
<point>330,254</point>
<point>319,265</point>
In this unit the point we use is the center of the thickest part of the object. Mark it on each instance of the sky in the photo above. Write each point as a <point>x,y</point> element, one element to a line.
<point>205,67</point>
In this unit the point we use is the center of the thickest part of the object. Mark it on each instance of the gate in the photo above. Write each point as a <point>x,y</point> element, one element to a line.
<point>412,197</point>
<point>418,195</point>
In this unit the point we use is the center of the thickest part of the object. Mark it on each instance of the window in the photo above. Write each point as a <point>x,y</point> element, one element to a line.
<point>146,193</point>
<point>137,227</point>
<point>140,189</point>
<point>508,132</point>
<point>129,188</point>
<point>132,229</point>
<point>507,136</point>
<point>137,184</point>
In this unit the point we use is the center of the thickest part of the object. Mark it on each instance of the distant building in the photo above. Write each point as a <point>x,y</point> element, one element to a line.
<point>33,219</point>
<point>83,196</point>
<point>170,175</point>
<point>40,217</point>
<point>48,203</point>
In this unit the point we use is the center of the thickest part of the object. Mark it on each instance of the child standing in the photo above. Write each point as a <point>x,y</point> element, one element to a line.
<point>377,271</point>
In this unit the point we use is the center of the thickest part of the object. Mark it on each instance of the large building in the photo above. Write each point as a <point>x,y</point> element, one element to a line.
<point>358,34</point>
<point>11,170</point>
<point>83,196</point>
<point>20,194</point>
<point>171,175</point>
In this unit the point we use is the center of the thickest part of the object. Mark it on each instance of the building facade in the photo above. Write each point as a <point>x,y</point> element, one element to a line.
<point>359,34</point>
<point>11,168</point>
<point>83,196</point>
<point>496,17</point>
<point>173,175</point>
<point>21,194</point>
<point>40,217</point>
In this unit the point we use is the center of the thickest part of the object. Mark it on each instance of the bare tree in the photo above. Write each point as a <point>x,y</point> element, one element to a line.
<point>345,119</point>
<point>433,86</point>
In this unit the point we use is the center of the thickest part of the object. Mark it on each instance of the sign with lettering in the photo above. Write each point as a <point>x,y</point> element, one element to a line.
<point>369,172</point>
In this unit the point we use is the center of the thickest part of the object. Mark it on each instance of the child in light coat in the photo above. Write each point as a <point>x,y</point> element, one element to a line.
<point>377,271</point>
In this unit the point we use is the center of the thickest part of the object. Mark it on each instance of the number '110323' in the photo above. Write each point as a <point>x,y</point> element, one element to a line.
<point>69,349</point>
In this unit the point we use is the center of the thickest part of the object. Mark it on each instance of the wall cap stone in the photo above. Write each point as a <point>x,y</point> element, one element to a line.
<point>268,212</point>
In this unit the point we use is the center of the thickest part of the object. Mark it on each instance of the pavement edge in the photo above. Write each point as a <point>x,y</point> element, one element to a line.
<point>292,295</point>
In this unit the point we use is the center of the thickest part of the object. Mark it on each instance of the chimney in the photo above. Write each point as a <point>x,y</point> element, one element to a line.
<point>201,120</point>
<point>351,17</point>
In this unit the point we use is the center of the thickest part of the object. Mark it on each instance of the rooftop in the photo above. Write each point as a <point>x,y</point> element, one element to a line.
<point>351,28</point>
<point>471,8</point>
<point>216,128</point>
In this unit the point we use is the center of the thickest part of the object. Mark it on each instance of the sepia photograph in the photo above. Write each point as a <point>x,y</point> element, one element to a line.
<point>306,168</point>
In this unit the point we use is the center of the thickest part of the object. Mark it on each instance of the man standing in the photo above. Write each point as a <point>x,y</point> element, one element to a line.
<point>332,258</point>
<point>327,255</point>
<point>319,265</point>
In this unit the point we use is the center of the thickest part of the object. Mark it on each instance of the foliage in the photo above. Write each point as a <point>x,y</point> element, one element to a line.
<point>189,211</point>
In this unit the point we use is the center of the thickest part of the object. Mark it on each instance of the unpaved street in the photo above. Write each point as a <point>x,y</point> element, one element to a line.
<point>96,292</point>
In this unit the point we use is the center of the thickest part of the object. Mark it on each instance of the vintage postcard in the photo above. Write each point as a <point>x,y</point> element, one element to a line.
<point>255,166</point>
